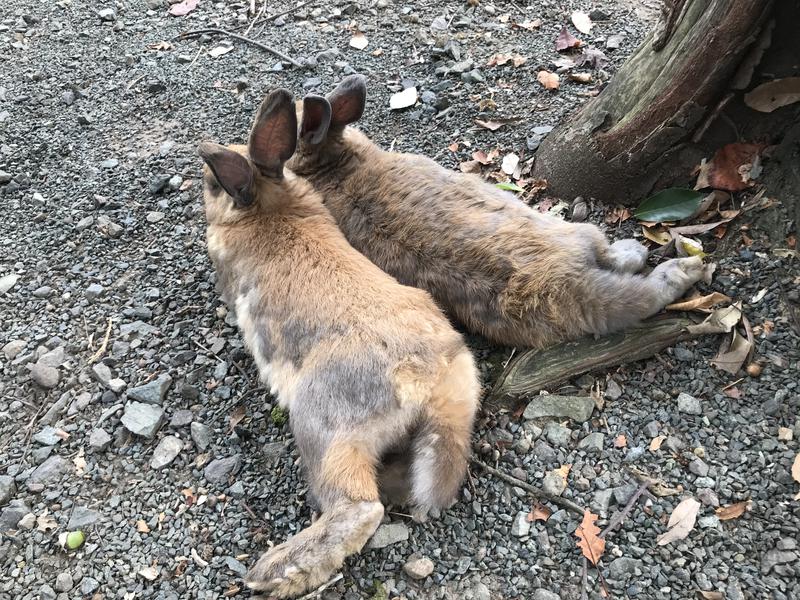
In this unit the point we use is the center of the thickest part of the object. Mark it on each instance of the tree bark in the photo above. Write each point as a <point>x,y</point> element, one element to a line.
<point>637,135</point>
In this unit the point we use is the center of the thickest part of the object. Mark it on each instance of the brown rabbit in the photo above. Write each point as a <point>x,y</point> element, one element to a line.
<point>504,270</point>
<point>363,364</point>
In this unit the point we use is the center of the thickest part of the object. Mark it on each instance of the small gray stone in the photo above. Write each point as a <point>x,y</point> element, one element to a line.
<point>142,419</point>
<point>99,440</point>
<point>554,483</point>
<point>44,291</point>
<point>235,566</point>
<point>13,348</point>
<point>102,373</point>
<point>152,392</point>
<point>47,593</point>
<point>634,454</point>
<point>689,404</point>
<point>109,163</point>
<point>64,582</point>
<point>7,489</point>
<point>388,534</point>
<point>181,418</point>
<point>708,497</point>
<point>82,517</point>
<point>577,408</point>
<point>108,227</point>
<point>48,436</point>
<point>106,14</point>
<point>705,482</point>
<point>709,521</point>
<point>652,428</point>
<point>774,557</point>
<point>698,467</point>
<point>85,223</point>
<point>613,390</point>
<point>7,282</point>
<point>623,493</point>
<point>94,291</point>
<point>418,568</point>
<point>44,376</point>
<point>674,444</point>
<point>154,216</point>
<point>89,585</point>
<point>541,594</point>
<point>602,500</point>
<point>54,358</point>
<point>51,470</point>
<point>557,434</point>
<point>592,443</point>
<point>201,435</point>
<point>623,567</point>
<point>12,514</point>
<point>236,490</point>
<point>521,526</point>
<point>167,450</point>
<point>462,66</point>
<point>220,469</point>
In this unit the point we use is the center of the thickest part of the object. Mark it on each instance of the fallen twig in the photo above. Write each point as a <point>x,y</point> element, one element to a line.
<point>101,350</point>
<point>531,489</point>
<point>213,30</point>
<point>619,517</point>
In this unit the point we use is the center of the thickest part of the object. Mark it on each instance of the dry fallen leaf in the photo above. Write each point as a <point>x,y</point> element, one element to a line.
<point>162,46</point>
<point>453,147</point>
<point>481,157</point>
<point>587,533</point>
<point>80,462</point>
<point>710,595</point>
<point>539,513</point>
<point>404,99</point>
<point>470,166</point>
<point>549,80</point>
<point>774,94</point>
<point>529,25</point>
<point>681,522</point>
<point>700,303</point>
<point>510,163</point>
<point>183,8</point>
<point>620,441</point>
<point>581,77</point>
<point>359,41</point>
<point>732,354</point>
<point>501,59</point>
<point>617,214</point>
<point>149,573</point>
<point>236,416</point>
<point>491,125</point>
<point>566,41</point>
<point>563,470</point>
<point>582,21</point>
<point>220,50</point>
<point>142,527</point>
<point>731,169</point>
<point>655,443</point>
<point>733,511</point>
<point>45,522</point>
<point>657,234</point>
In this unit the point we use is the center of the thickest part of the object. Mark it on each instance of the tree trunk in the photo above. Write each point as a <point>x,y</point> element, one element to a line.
<point>641,132</point>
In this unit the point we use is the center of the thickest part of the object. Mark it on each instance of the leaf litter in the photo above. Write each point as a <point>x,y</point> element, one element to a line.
<point>589,541</point>
<point>681,522</point>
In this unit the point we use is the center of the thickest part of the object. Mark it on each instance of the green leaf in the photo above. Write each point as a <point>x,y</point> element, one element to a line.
<point>672,204</point>
<point>511,187</point>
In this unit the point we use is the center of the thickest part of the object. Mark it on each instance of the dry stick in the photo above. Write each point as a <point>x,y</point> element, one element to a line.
<point>533,490</point>
<point>101,350</point>
<point>317,592</point>
<point>241,38</point>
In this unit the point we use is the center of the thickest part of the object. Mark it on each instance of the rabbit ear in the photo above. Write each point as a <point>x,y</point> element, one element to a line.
<point>232,171</point>
<point>348,100</point>
<point>273,137</point>
<point>316,119</point>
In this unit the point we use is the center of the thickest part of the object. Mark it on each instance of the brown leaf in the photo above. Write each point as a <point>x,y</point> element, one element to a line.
<point>700,303</point>
<point>710,595</point>
<point>732,392</point>
<point>681,522</point>
<point>593,57</point>
<point>142,527</point>
<point>45,522</point>
<point>162,46</point>
<point>549,80</point>
<point>796,468</point>
<point>453,147</point>
<point>618,214</point>
<point>470,166</point>
<point>501,59</point>
<point>724,172</point>
<point>655,443</point>
<point>658,234</point>
<point>492,125</point>
<point>564,470</point>
<point>774,94</point>
<point>183,8</point>
<point>539,513</point>
<point>587,533</point>
<point>581,77</point>
<point>236,416</point>
<point>566,40</point>
<point>620,441</point>
<point>481,157</point>
<point>733,511</point>
<point>732,354</point>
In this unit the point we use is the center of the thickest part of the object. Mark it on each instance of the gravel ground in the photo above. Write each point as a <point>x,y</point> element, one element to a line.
<point>129,410</point>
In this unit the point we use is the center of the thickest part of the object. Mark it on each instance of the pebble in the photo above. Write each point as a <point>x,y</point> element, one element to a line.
<point>109,163</point>
<point>698,467</point>
<point>181,418</point>
<point>158,183</point>
<point>102,373</point>
<point>153,392</point>
<point>142,419</point>
<point>708,497</point>
<point>220,469</point>
<point>106,14</point>
<point>13,348</point>
<point>27,522</point>
<point>771,558</point>
<point>7,282</point>
<point>54,468</point>
<point>419,568</point>
<point>577,408</point>
<point>613,390</point>
<point>554,483</point>
<point>44,376</point>
<point>652,429</point>
<point>623,567</point>
<point>108,227</point>
<point>541,594</point>
<point>592,443</point>
<point>557,434</point>
<point>82,517</point>
<point>89,585</point>
<point>47,593</point>
<point>54,358</point>
<point>167,450</point>
<point>154,216</point>
<point>388,534</point>
<point>12,514</point>
<point>64,582</point>
<point>99,440</point>
<point>7,489</point>
<point>521,526</point>
<point>689,404</point>
<point>48,436</point>
<point>201,435</point>
<point>235,566</point>
<point>44,291</point>
<point>94,291</point>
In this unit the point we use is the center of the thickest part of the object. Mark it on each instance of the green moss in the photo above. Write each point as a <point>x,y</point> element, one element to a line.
<point>279,416</point>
